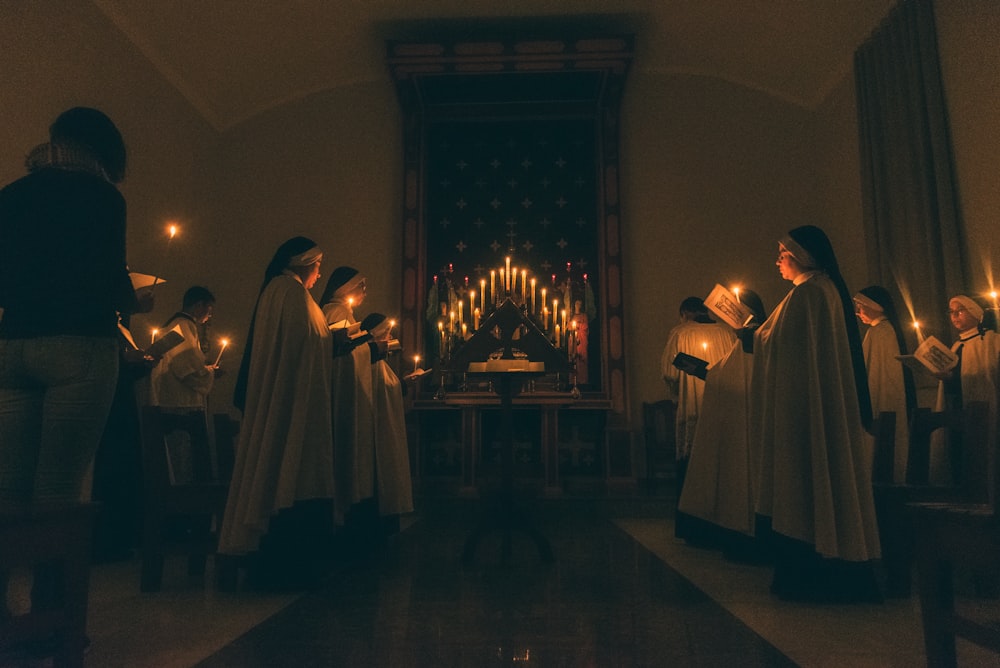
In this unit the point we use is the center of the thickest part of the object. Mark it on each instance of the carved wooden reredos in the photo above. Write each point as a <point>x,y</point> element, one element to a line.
<point>511,150</point>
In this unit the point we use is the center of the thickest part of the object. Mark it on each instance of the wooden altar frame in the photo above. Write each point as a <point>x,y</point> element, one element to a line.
<point>418,69</point>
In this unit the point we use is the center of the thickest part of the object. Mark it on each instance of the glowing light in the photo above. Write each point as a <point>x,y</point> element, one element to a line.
<point>223,343</point>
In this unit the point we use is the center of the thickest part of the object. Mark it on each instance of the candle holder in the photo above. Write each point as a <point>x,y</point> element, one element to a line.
<point>441,394</point>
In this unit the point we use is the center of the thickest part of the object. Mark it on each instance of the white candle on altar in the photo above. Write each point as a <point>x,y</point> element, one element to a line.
<point>533,295</point>
<point>451,322</point>
<point>441,332</point>
<point>493,285</point>
<point>461,317</point>
<point>224,343</point>
<point>545,316</point>
<point>564,319</point>
<point>475,319</point>
<point>472,302</point>
<point>558,336</point>
<point>545,306</point>
<point>503,280</point>
<point>482,292</point>
<point>465,331</point>
<point>524,285</point>
<point>555,311</point>
<point>513,280</point>
<point>507,284</point>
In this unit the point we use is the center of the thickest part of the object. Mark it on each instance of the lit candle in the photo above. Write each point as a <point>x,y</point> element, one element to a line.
<point>218,358</point>
<point>461,317</point>
<point>704,346</point>
<point>472,302</point>
<point>524,283</point>
<point>503,280</point>
<point>493,286</point>
<point>392,323</point>
<point>416,360</point>
<point>558,336</point>
<point>545,305</point>
<point>513,280</point>
<point>533,295</point>
<point>475,319</point>
<point>482,292</point>
<point>465,331</point>
<point>441,332</point>
<point>555,311</point>
<point>570,347</point>
<point>155,332</point>
<point>507,284</point>
<point>451,322</point>
<point>736,291</point>
<point>545,317</point>
<point>171,233</point>
<point>564,319</point>
<point>920,336</point>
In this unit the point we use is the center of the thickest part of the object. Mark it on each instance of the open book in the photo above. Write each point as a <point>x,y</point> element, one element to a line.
<point>932,356</point>
<point>691,365</point>
<point>166,342</point>
<point>728,308</point>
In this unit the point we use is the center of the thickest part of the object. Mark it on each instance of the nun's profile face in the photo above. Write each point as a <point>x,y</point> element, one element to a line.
<point>865,313</point>
<point>788,266</point>
<point>358,296</point>
<point>311,276</point>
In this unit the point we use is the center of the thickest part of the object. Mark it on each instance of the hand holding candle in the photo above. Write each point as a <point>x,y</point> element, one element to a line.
<point>222,349</point>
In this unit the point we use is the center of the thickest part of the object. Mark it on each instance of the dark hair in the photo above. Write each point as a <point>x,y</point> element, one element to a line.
<point>753,301</point>
<point>92,130</point>
<point>371,321</point>
<point>197,294</point>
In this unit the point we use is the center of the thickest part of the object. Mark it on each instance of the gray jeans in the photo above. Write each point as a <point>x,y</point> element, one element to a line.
<point>55,394</point>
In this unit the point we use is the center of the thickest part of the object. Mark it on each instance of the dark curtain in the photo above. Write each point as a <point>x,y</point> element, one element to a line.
<point>912,218</point>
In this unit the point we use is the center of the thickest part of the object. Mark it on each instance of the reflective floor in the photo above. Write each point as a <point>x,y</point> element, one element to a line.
<point>604,601</point>
<point>621,591</point>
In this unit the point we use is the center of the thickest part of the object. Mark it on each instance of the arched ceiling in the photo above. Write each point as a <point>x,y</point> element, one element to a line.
<point>235,59</point>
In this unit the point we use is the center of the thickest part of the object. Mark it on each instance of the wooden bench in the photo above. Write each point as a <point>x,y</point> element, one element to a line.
<point>177,518</point>
<point>959,534</point>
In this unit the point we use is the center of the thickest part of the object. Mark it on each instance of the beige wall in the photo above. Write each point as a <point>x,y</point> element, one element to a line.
<point>712,173</point>
<point>969,43</point>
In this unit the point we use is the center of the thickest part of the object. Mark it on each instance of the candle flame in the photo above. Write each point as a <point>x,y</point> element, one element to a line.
<point>916,325</point>
<point>224,342</point>
<point>172,230</point>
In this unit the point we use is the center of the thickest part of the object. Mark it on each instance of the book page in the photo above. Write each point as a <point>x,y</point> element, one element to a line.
<point>165,343</point>
<point>728,308</point>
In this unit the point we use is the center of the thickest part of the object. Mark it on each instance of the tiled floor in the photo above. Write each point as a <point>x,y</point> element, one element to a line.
<point>621,592</point>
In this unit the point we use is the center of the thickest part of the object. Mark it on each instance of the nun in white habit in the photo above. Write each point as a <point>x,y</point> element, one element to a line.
<point>810,409</point>
<point>351,394</point>
<point>890,383</point>
<point>283,387</point>
<point>394,488</point>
